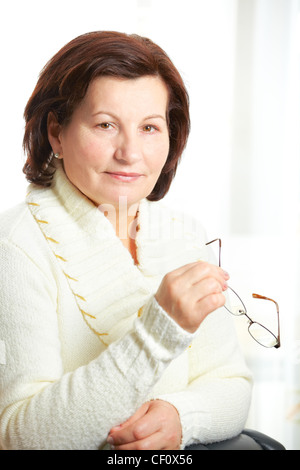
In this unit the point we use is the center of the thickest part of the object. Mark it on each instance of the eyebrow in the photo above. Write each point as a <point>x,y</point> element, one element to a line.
<point>152,116</point>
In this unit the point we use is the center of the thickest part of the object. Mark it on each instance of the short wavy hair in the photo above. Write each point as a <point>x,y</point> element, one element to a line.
<point>64,81</point>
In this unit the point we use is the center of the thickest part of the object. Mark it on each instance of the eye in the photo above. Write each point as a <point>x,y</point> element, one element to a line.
<point>104,125</point>
<point>149,129</point>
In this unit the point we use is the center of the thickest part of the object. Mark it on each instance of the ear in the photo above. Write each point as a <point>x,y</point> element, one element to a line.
<point>54,131</point>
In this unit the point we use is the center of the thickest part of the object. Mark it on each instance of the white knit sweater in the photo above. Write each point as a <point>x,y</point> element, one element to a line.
<point>85,341</point>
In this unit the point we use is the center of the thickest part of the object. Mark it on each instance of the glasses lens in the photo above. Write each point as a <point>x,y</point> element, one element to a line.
<point>234,304</point>
<point>262,335</point>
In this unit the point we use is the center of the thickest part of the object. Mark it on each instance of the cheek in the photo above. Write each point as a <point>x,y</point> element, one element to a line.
<point>160,154</point>
<point>94,153</point>
<point>85,149</point>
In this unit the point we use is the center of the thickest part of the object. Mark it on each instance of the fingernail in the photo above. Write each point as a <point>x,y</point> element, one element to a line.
<point>225,286</point>
<point>110,440</point>
<point>226,274</point>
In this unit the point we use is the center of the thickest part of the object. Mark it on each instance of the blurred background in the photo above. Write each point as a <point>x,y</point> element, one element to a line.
<point>240,173</point>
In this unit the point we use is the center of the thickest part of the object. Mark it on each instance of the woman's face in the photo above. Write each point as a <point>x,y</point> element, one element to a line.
<point>117,141</point>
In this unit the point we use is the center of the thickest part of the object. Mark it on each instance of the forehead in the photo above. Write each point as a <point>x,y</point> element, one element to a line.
<point>144,93</point>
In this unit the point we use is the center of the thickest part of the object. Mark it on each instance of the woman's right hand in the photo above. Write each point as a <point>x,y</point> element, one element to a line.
<point>189,293</point>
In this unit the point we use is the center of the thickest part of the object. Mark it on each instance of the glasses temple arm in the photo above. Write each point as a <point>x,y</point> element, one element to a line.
<point>220,245</point>
<point>257,296</point>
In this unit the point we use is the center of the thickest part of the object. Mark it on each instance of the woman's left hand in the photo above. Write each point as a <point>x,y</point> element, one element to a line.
<point>154,426</point>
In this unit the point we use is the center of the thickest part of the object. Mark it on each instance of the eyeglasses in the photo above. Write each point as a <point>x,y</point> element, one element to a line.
<point>236,306</point>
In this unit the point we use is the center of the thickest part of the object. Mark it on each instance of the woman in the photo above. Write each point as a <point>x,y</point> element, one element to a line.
<point>110,305</point>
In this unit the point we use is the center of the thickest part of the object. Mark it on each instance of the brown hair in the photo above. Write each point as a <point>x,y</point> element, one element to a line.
<point>63,84</point>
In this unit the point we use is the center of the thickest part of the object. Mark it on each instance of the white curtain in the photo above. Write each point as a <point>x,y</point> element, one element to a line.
<point>265,172</point>
<point>242,173</point>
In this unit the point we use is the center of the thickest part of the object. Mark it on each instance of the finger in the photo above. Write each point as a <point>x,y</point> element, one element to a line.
<point>193,284</point>
<point>195,293</point>
<point>207,286</point>
<point>210,303</point>
<point>200,264</point>
<point>198,309</point>
<point>135,430</point>
<point>196,272</point>
<point>136,416</point>
<point>202,270</point>
<point>174,294</point>
<point>153,442</point>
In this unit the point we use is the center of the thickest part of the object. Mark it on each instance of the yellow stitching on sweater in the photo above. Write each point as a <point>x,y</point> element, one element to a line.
<point>88,314</point>
<point>60,257</point>
<point>51,240</point>
<point>140,312</point>
<point>93,330</point>
<point>69,277</point>
<point>80,296</point>
<point>42,221</point>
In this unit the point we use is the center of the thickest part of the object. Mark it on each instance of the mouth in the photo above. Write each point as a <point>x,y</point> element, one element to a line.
<point>123,176</point>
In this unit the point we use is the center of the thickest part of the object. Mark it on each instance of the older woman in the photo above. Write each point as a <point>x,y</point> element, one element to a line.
<point>110,305</point>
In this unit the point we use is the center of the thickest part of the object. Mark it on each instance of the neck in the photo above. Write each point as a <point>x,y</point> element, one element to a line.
<point>125,224</point>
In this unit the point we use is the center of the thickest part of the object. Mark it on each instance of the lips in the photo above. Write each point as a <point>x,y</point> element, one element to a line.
<point>123,176</point>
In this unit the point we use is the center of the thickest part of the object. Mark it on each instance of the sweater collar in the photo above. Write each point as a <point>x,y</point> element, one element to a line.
<point>108,287</point>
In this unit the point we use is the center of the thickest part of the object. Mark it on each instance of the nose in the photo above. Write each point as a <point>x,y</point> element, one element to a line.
<point>128,148</point>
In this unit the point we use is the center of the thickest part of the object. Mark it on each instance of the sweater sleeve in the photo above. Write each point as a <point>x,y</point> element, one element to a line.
<point>43,408</point>
<point>216,403</point>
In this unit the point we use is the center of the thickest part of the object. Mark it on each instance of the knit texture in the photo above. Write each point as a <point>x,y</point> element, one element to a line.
<point>84,340</point>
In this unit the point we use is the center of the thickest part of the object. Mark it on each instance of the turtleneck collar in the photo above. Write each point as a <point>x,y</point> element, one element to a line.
<point>108,287</point>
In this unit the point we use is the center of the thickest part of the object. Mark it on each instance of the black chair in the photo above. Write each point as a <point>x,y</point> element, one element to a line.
<point>247,440</point>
